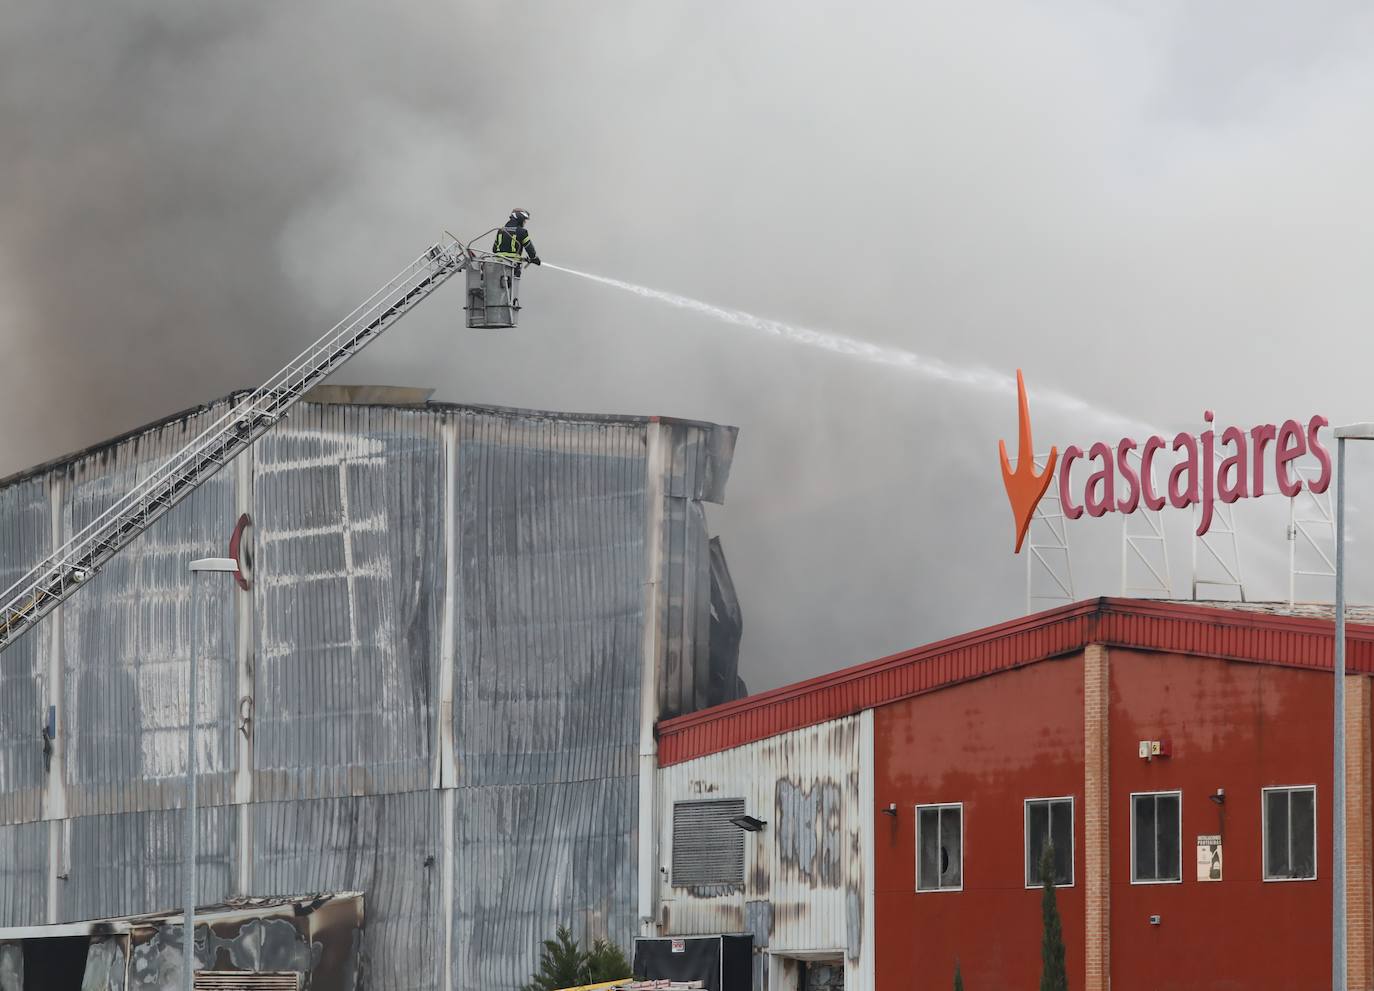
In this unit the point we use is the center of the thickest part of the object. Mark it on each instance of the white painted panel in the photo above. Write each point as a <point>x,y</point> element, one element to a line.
<point>804,886</point>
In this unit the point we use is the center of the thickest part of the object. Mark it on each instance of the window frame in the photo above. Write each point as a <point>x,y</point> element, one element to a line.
<point>1157,794</point>
<point>1073,839</point>
<point>1264,833</point>
<point>916,827</point>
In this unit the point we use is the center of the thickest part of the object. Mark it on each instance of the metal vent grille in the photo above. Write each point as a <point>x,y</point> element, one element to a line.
<point>707,848</point>
<point>237,980</point>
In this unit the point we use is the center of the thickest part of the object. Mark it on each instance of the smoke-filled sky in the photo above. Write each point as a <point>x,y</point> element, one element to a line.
<point>1158,206</point>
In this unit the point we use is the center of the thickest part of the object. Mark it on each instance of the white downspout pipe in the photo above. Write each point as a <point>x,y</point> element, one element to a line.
<point>648,682</point>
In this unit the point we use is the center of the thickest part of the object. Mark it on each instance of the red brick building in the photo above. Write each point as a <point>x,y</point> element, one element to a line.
<point>1203,864</point>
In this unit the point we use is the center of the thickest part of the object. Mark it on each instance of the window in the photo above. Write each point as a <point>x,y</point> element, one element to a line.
<point>1156,835</point>
<point>1049,821</point>
<point>708,849</point>
<point>939,847</point>
<point>1290,834</point>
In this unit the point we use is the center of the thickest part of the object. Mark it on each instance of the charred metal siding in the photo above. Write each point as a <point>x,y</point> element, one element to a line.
<point>396,728</point>
<point>123,715</point>
<point>348,501</point>
<point>317,937</point>
<point>551,567</point>
<point>803,887</point>
<point>386,845</point>
<point>23,873</point>
<point>130,863</point>
<point>550,590</point>
<point>698,465</point>
<point>532,857</point>
<point>26,537</point>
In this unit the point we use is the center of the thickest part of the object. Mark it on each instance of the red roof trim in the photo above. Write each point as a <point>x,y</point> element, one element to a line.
<point>1203,631</point>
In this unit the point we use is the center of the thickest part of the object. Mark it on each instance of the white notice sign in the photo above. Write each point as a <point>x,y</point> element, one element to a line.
<point>1209,858</point>
<point>679,946</point>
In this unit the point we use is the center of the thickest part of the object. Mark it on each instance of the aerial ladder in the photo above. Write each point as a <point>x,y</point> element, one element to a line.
<point>492,301</point>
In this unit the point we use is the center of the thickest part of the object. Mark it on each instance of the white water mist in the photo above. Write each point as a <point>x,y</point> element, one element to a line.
<point>982,379</point>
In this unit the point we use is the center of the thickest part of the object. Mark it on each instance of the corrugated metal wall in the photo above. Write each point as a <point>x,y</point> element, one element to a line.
<point>348,502</point>
<point>130,863</point>
<point>23,870</point>
<point>804,887</point>
<point>697,467</point>
<point>551,572</point>
<point>532,857</point>
<point>359,651</point>
<point>385,845</point>
<point>26,536</point>
<point>551,520</point>
<point>123,713</point>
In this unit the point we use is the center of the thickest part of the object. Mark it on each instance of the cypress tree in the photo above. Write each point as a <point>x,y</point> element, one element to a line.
<point>958,977</point>
<point>1052,974</point>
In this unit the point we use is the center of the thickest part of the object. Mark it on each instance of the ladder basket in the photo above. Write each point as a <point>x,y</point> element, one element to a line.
<point>493,293</point>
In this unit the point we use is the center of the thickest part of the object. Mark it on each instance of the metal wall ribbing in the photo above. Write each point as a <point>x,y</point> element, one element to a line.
<point>26,536</point>
<point>361,514</point>
<point>130,863</point>
<point>384,845</point>
<point>124,638</point>
<point>551,567</point>
<point>350,581</point>
<point>533,857</point>
<point>550,572</point>
<point>23,873</point>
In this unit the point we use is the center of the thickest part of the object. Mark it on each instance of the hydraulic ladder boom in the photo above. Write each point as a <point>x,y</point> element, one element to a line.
<point>73,564</point>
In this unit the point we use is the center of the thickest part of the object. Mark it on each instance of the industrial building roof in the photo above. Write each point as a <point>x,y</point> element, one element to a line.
<point>354,395</point>
<point>1301,636</point>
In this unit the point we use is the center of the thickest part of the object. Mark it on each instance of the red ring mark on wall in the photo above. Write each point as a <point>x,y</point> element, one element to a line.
<point>241,550</point>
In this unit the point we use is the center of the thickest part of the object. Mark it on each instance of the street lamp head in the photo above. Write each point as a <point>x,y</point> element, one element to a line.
<point>214,564</point>
<point>748,823</point>
<point>1355,431</point>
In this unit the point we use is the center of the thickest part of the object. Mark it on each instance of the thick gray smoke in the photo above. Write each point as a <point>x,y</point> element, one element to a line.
<point>1158,207</point>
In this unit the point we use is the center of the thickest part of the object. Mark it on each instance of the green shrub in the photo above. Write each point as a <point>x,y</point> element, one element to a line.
<point>564,964</point>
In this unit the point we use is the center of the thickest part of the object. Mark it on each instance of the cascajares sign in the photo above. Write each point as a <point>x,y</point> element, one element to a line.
<point>1197,477</point>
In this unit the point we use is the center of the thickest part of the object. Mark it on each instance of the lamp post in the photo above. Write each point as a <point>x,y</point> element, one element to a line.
<point>1355,431</point>
<point>188,932</point>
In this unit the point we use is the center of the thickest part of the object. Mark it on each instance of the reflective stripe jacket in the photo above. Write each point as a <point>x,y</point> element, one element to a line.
<point>510,241</point>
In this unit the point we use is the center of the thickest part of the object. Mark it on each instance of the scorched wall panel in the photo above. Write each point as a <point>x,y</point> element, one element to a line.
<point>551,558</point>
<point>25,538</point>
<point>130,863</point>
<point>530,858</point>
<point>804,886</point>
<point>361,514</point>
<point>387,846</point>
<point>696,467</point>
<point>23,874</point>
<point>126,638</point>
<point>550,599</point>
<point>350,583</point>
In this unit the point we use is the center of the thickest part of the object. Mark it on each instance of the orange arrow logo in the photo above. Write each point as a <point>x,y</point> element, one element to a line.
<point>1025,488</point>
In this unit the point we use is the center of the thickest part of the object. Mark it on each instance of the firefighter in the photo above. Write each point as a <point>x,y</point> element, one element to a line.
<point>513,239</point>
